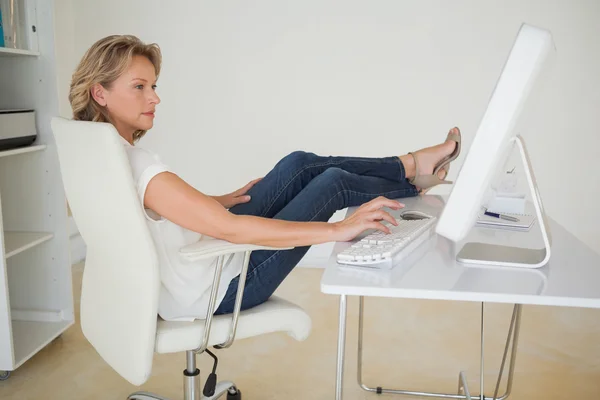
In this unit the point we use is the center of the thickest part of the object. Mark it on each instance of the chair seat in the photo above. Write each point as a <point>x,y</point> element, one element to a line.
<point>275,315</point>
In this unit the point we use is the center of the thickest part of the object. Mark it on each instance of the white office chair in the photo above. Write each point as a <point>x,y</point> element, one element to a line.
<point>119,296</point>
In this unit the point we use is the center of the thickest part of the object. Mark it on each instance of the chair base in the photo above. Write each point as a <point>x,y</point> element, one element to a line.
<point>222,388</point>
<point>191,386</point>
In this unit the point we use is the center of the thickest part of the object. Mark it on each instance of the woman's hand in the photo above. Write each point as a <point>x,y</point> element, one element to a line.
<point>239,196</point>
<point>367,216</point>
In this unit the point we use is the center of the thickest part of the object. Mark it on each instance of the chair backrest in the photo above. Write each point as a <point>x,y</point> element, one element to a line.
<point>119,295</point>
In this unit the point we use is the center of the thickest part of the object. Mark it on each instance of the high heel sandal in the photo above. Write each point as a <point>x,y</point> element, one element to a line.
<point>426,182</point>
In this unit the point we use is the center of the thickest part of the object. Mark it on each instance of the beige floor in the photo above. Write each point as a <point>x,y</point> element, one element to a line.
<point>413,344</point>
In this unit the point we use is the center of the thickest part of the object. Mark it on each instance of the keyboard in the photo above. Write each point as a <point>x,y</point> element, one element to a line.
<point>379,249</point>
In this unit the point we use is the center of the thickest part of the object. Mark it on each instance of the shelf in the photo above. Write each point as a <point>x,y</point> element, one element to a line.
<point>17,242</point>
<point>8,52</point>
<point>22,150</point>
<point>36,292</point>
<point>30,336</point>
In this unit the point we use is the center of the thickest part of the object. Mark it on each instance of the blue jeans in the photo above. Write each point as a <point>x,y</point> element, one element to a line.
<point>307,187</point>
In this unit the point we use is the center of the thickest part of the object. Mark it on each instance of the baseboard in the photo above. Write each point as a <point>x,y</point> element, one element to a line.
<point>313,262</point>
<point>76,242</point>
<point>72,227</point>
<point>78,249</point>
<point>317,255</point>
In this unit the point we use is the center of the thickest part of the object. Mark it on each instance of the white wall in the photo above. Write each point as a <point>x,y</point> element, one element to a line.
<point>244,83</point>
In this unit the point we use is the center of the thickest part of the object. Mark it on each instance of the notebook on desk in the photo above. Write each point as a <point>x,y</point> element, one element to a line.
<point>525,221</point>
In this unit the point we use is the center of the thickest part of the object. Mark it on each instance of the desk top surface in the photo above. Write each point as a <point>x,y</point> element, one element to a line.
<point>571,278</point>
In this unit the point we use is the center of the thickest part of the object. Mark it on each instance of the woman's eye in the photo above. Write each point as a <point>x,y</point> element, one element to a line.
<point>154,87</point>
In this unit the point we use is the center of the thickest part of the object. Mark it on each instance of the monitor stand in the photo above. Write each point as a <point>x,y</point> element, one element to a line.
<point>507,256</point>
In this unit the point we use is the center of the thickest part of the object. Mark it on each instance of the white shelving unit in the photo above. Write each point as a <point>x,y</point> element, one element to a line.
<point>5,52</point>
<point>36,296</point>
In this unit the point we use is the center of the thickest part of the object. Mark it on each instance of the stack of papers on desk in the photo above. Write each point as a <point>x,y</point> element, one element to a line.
<point>525,221</point>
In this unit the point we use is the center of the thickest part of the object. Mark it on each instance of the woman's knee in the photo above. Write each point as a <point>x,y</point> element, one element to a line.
<point>332,180</point>
<point>334,175</point>
<point>332,185</point>
<point>297,159</point>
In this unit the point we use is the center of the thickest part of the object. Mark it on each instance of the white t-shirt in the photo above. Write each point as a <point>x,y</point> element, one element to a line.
<point>186,286</point>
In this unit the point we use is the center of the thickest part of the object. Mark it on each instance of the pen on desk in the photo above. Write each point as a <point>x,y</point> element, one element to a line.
<point>501,216</point>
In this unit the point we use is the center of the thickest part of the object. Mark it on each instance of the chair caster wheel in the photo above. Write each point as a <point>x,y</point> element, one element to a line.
<point>4,375</point>
<point>234,396</point>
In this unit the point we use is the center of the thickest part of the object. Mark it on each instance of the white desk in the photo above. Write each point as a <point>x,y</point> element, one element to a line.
<point>572,278</point>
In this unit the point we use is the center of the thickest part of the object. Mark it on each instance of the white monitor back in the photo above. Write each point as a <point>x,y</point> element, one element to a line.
<point>496,131</point>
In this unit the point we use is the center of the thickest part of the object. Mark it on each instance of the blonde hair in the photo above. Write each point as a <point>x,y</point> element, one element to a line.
<point>103,63</point>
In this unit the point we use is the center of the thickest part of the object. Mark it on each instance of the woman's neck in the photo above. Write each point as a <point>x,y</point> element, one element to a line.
<point>127,135</point>
<point>129,138</point>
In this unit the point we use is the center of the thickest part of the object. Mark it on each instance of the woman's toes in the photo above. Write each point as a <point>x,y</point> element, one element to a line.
<point>442,173</point>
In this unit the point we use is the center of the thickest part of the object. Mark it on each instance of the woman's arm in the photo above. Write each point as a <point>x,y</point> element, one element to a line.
<point>171,197</point>
<point>220,200</point>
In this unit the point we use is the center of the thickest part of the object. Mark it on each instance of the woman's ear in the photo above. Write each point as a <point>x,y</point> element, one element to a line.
<point>98,92</point>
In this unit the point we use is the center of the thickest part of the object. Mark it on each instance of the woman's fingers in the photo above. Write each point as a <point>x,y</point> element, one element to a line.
<point>247,187</point>
<point>387,216</point>
<point>381,215</point>
<point>380,202</point>
<point>379,226</point>
<point>376,215</point>
<point>241,199</point>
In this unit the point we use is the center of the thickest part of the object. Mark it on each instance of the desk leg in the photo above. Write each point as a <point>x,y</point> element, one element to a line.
<point>482,352</point>
<point>515,326</point>
<point>463,392</point>
<point>339,382</point>
<point>462,385</point>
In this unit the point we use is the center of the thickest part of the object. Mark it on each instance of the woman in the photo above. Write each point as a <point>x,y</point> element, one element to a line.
<point>115,82</point>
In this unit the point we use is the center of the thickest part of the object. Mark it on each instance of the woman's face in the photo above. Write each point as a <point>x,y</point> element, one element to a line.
<point>131,100</point>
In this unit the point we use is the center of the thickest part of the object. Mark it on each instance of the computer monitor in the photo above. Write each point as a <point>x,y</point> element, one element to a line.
<point>490,148</point>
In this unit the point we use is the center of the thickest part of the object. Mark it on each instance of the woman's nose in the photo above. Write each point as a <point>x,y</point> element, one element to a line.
<point>154,99</point>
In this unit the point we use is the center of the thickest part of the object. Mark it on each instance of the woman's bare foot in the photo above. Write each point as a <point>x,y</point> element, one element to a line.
<point>428,158</point>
